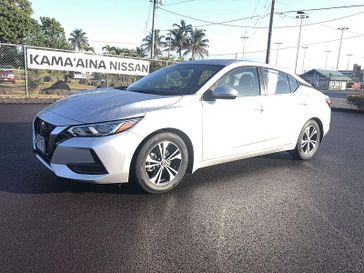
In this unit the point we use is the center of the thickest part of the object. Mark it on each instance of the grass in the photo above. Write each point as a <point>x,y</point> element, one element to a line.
<point>18,89</point>
<point>357,100</point>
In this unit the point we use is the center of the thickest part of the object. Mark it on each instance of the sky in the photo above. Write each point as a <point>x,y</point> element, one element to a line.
<point>125,23</point>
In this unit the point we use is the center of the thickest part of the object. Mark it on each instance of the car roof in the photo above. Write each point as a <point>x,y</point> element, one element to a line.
<point>233,62</point>
<point>223,62</point>
<point>227,62</point>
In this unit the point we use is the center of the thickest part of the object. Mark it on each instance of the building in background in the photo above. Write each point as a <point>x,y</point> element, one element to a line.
<point>326,79</point>
<point>356,74</point>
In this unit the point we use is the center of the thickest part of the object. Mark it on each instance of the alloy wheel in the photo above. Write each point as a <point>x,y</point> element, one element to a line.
<point>310,140</point>
<point>163,163</point>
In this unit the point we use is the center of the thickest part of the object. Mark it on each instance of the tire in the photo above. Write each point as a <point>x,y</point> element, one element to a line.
<point>161,163</point>
<point>308,141</point>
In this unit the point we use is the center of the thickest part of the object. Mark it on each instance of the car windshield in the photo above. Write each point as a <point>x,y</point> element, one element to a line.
<point>179,79</point>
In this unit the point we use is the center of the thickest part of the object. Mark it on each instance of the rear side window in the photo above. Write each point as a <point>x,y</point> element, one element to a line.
<point>293,84</point>
<point>276,82</point>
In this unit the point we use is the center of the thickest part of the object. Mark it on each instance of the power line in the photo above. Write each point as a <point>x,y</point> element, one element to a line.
<point>291,47</point>
<point>326,8</point>
<point>256,23</point>
<point>262,16</point>
<point>286,26</point>
<point>210,22</point>
<point>176,3</point>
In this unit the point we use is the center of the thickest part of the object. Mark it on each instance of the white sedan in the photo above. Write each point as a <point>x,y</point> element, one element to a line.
<point>179,119</point>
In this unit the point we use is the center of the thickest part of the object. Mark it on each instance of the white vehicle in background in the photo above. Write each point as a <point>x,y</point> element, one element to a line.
<point>79,75</point>
<point>179,119</point>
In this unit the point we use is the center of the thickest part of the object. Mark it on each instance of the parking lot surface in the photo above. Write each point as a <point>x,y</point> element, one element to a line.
<point>267,214</point>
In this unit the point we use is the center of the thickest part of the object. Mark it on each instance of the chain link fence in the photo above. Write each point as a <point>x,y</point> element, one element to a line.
<point>17,80</point>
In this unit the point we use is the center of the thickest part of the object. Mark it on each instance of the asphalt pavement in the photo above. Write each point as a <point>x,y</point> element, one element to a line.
<point>267,214</point>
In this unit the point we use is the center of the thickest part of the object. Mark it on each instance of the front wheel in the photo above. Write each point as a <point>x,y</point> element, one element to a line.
<point>308,141</point>
<point>161,163</point>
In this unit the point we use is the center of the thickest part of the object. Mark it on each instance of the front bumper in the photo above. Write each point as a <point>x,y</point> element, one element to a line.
<point>102,160</point>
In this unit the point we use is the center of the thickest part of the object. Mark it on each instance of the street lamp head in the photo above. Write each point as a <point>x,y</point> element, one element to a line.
<point>301,15</point>
<point>342,28</point>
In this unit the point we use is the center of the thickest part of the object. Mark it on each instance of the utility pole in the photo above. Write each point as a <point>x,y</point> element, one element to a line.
<point>300,15</point>
<point>278,44</point>
<point>244,38</point>
<point>270,31</point>
<point>327,57</point>
<point>169,44</point>
<point>153,31</point>
<point>341,40</point>
<point>304,56</point>
<point>349,56</point>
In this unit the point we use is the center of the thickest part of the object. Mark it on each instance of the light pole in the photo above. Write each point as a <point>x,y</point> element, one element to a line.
<point>153,34</point>
<point>327,57</point>
<point>278,44</point>
<point>169,44</point>
<point>244,38</point>
<point>304,56</point>
<point>349,56</point>
<point>270,30</point>
<point>341,40</point>
<point>300,15</point>
<point>155,3</point>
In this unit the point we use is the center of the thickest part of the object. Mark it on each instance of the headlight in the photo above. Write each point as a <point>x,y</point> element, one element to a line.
<point>104,128</point>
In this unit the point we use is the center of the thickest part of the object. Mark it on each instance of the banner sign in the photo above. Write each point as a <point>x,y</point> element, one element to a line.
<point>80,62</point>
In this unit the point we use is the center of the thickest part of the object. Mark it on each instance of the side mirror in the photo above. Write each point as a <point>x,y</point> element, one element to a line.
<point>225,92</point>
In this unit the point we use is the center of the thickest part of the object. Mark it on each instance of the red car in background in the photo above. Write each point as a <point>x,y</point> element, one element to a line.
<point>7,76</point>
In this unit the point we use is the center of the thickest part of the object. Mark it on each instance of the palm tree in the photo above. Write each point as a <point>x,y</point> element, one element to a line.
<point>79,40</point>
<point>197,44</point>
<point>139,52</point>
<point>90,49</point>
<point>159,43</point>
<point>179,36</point>
<point>109,49</point>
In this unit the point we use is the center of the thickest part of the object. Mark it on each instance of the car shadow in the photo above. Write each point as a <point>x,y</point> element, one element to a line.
<point>36,179</point>
<point>22,173</point>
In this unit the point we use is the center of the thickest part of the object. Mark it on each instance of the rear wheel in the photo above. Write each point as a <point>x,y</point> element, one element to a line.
<point>308,141</point>
<point>161,163</point>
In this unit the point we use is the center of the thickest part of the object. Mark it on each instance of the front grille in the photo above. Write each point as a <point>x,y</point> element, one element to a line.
<point>44,129</point>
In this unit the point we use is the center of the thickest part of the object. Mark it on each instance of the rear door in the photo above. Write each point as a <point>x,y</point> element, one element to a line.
<point>284,108</point>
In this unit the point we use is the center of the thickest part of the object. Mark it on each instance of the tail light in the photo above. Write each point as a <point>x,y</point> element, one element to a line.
<point>328,101</point>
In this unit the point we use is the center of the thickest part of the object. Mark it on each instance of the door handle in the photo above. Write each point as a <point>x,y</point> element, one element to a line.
<point>303,103</point>
<point>260,109</point>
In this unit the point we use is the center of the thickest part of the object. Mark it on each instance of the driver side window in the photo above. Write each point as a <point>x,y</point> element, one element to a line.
<point>244,80</point>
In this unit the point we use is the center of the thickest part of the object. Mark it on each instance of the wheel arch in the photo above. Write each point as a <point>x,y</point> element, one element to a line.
<point>319,122</point>
<point>180,133</point>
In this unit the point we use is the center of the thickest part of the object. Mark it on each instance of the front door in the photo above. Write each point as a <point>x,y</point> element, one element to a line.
<point>235,126</point>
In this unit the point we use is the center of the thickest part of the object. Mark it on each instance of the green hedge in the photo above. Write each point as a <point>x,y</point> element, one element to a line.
<point>357,100</point>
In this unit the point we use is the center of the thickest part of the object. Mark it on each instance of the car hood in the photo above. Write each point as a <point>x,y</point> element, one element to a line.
<point>107,104</point>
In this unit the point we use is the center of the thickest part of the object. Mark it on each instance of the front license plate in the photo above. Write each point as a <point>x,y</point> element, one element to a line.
<point>40,143</point>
